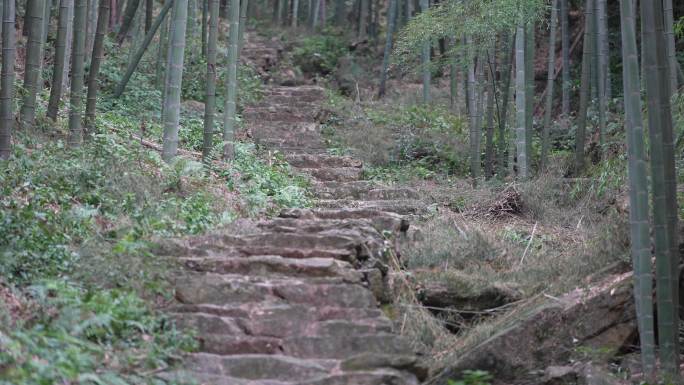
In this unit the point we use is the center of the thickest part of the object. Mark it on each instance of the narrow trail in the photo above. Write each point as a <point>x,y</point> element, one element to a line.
<point>296,299</point>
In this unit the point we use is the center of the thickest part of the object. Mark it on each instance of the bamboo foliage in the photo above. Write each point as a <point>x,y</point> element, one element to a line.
<point>7,78</point>
<point>174,79</point>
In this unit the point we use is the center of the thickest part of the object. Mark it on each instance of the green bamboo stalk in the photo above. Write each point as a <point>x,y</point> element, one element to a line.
<point>205,12</point>
<point>133,64</point>
<point>60,59</point>
<point>7,79</point>
<point>391,20</point>
<point>161,53</point>
<point>529,92</point>
<point>43,43</point>
<point>231,89</point>
<point>489,129</point>
<point>78,72</point>
<point>174,69</point>
<point>425,59</point>
<point>35,10</point>
<point>520,102</point>
<point>673,64</point>
<point>128,17</point>
<point>244,5</point>
<point>565,43</point>
<point>96,62</point>
<point>509,55</point>
<point>602,50</point>
<point>663,180</point>
<point>638,191</point>
<point>210,102</point>
<point>340,12</point>
<point>295,13</point>
<point>363,20</point>
<point>550,69</point>
<point>453,78</point>
<point>473,116</point>
<point>580,135</point>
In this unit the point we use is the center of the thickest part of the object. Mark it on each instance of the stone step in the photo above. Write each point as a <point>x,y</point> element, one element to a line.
<point>201,378</point>
<point>259,366</point>
<point>401,206</point>
<point>366,191</point>
<point>322,161</point>
<point>376,377</point>
<point>381,220</point>
<point>276,116</point>
<point>339,174</point>
<point>298,145</point>
<point>218,289</point>
<point>278,313</point>
<point>338,347</point>
<point>261,265</point>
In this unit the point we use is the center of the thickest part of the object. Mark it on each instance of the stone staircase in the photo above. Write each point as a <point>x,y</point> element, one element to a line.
<point>295,299</point>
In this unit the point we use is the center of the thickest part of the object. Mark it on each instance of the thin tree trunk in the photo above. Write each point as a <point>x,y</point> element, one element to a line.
<point>192,19</point>
<point>295,13</point>
<point>231,90</point>
<point>673,64</point>
<point>69,46</point>
<point>453,79</point>
<point>60,59</point>
<point>340,15</point>
<point>520,102</point>
<point>133,64</point>
<point>602,51</point>
<point>489,130</point>
<point>391,20</point>
<point>7,78</point>
<point>174,69</point>
<point>35,10</point>
<point>529,93</point>
<point>205,14</point>
<point>244,4</point>
<point>113,15</point>
<point>509,50</point>
<point>587,55</point>
<point>316,10</point>
<point>149,14</point>
<point>128,17</point>
<point>663,180</point>
<point>638,191</point>
<point>167,73</point>
<point>210,102</point>
<point>44,36</point>
<point>549,87</point>
<point>96,62</point>
<point>425,59</point>
<point>565,43</point>
<point>473,115</point>
<point>363,20</point>
<point>78,66</point>
<point>161,53</point>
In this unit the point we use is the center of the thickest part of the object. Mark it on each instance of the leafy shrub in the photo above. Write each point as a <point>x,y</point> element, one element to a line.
<point>473,377</point>
<point>318,54</point>
<point>86,336</point>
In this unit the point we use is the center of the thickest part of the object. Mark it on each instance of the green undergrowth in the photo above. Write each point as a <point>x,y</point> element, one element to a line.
<point>80,288</point>
<point>398,143</point>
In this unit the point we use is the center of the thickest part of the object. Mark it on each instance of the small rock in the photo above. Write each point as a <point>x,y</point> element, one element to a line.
<point>559,375</point>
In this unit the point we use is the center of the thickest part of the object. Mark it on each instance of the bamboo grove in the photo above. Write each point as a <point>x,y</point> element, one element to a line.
<point>488,49</point>
<point>82,28</point>
<point>492,54</point>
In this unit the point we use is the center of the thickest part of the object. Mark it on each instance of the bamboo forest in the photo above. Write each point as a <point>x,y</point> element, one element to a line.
<point>341,192</point>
